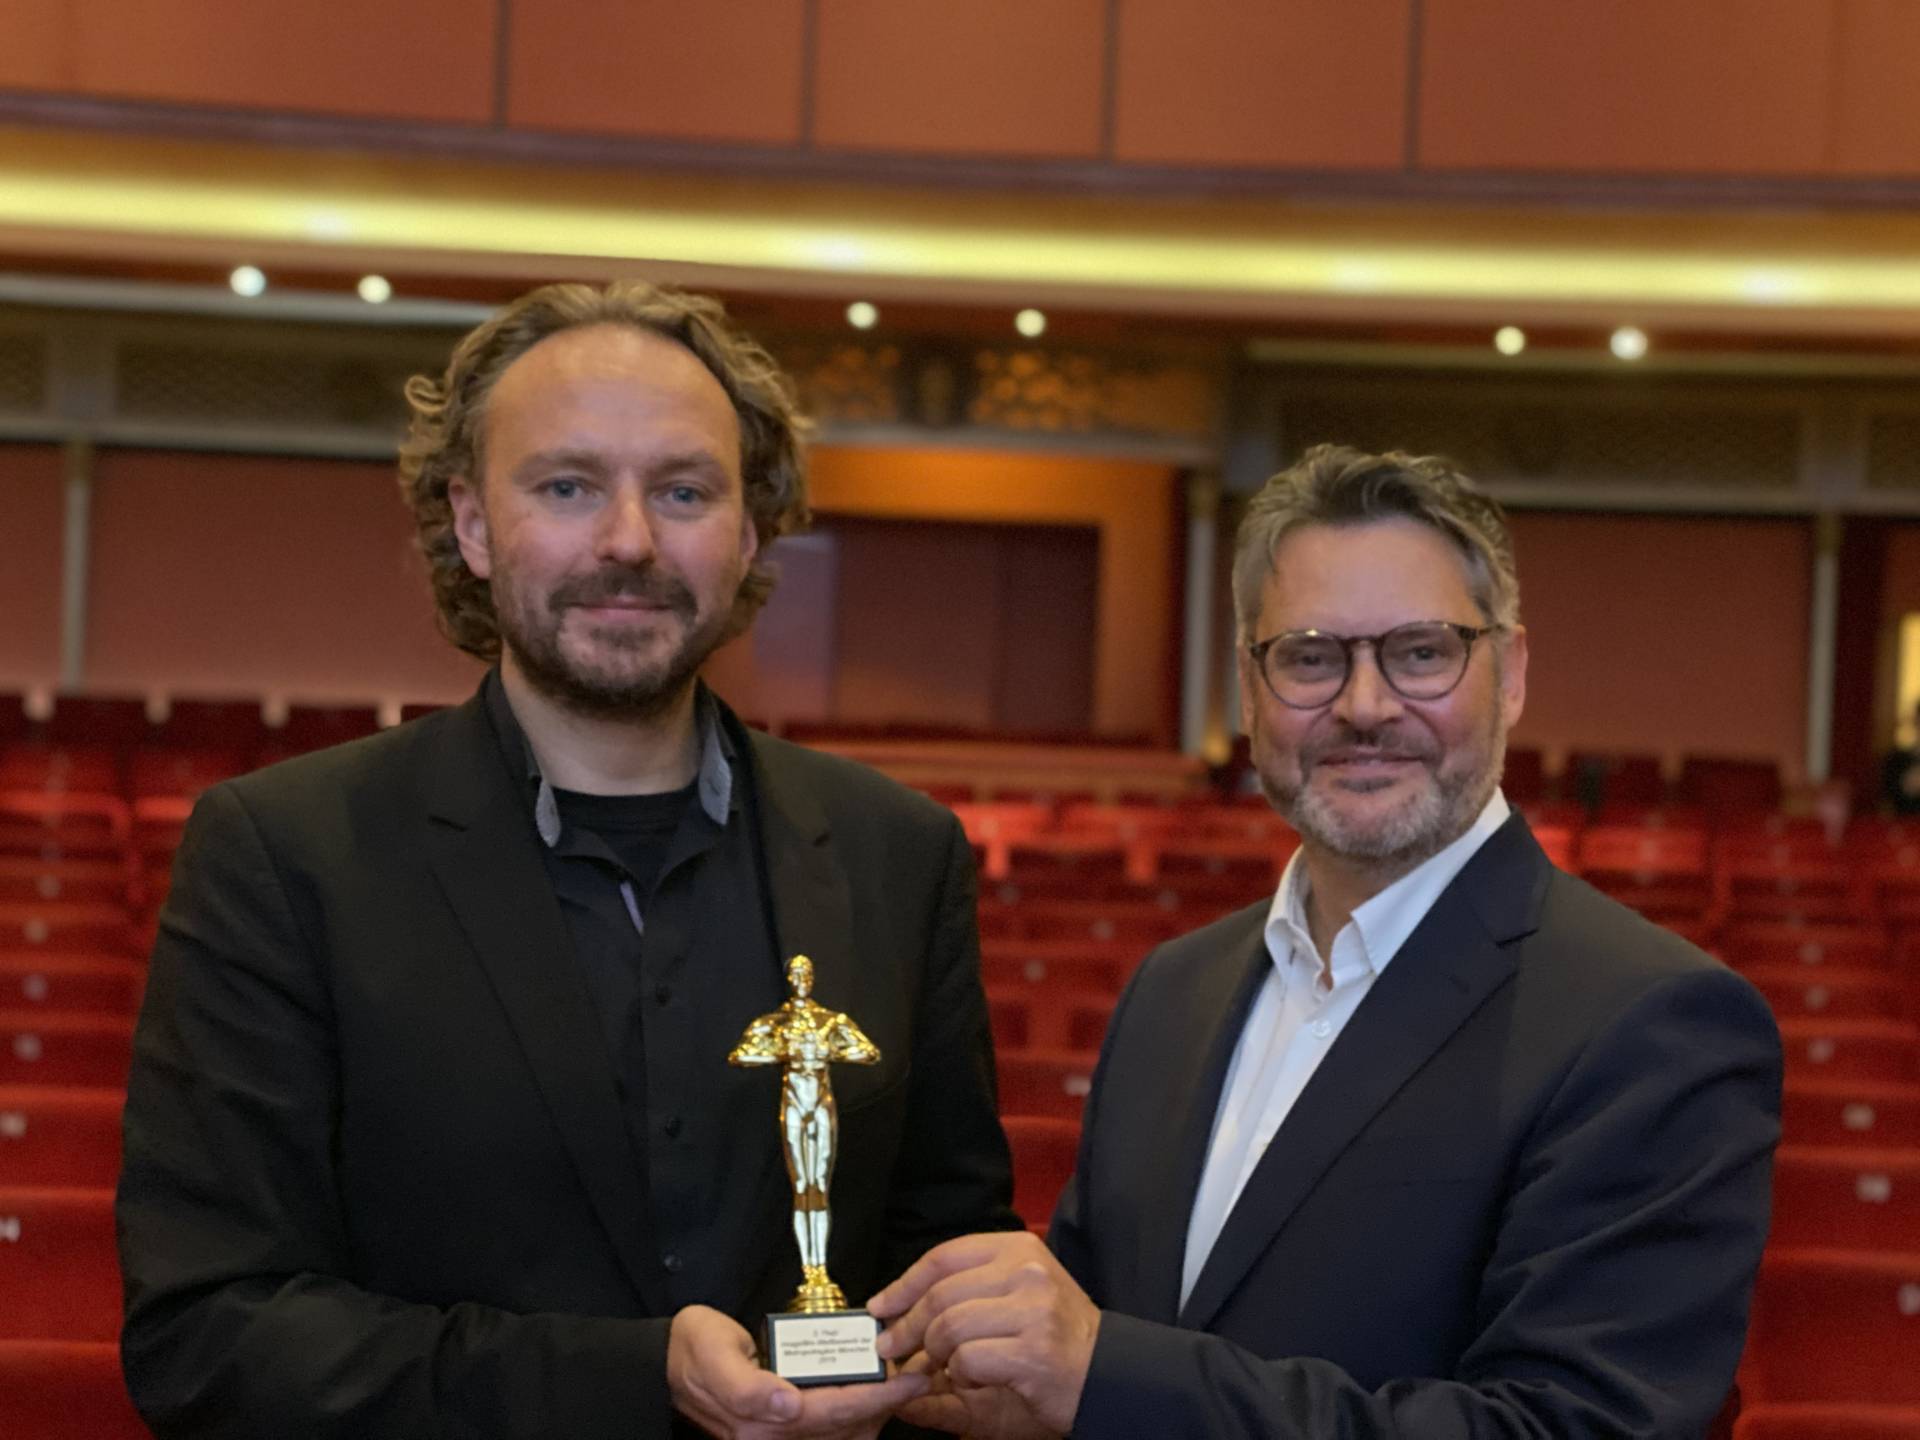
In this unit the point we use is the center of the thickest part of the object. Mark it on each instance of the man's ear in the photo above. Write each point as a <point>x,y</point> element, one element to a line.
<point>749,537</point>
<point>1513,675</point>
<point>470,525</point>
<point>1249,678</point>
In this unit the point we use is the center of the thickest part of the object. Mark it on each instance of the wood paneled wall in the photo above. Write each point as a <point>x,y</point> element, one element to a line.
<point>1744,88</point>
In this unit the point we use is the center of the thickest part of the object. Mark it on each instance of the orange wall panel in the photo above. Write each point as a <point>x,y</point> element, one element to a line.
<point>1736,86</point>
<point>1876,104</point>
<point>728,72</point>
<point>1288,83</point>
<point>1630,654</point>
<point>223,574</point>
<point>1136,645</point>
<point>417,60</point>
<point>34,55</point>
<point>993,77</point>
<point>32,533</point>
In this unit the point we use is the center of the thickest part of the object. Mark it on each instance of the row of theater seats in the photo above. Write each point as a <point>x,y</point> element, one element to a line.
<point>1071,898</point>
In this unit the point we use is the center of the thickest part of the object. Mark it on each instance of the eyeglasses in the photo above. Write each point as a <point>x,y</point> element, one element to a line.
<point>1425,660</point>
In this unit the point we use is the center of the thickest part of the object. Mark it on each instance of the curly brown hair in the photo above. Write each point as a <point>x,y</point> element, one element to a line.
<point>443,440</point>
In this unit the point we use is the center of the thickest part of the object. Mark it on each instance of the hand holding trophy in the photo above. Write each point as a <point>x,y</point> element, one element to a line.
<point>818,1341</point>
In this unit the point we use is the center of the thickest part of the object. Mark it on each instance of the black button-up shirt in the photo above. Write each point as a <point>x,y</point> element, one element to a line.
<point>666,905</point>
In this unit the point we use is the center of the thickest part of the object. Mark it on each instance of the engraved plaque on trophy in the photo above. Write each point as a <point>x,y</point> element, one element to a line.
<point>818,1340</point>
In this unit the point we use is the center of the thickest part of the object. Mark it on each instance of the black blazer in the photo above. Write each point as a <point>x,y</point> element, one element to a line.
<point>378,1181</point>
<point>1524,1194</point>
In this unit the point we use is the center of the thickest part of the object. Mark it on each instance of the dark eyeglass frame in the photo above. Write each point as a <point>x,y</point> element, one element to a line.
<point>1467,633</point>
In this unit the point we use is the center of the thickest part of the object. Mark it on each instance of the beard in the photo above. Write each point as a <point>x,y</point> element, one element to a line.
<point>1449,800</point>
<point>609,672</point>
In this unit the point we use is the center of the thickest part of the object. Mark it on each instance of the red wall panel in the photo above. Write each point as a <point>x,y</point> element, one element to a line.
<point>1876,103</point>
<point>1289,83</point>
<point>222,574</point>
<point>1003,77</point>
<point>32,529</point>
<point>419,60</point>
<point>658,68</point>
<point>1631,654</point>
<point>1737,86</point>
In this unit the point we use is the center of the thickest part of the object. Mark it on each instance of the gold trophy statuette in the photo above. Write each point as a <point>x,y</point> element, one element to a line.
<point>818,1341</point>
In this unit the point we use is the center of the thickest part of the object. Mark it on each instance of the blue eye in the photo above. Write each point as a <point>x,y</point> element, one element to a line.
<point>562,489</point>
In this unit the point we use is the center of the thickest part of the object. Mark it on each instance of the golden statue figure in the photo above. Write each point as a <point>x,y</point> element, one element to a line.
<point>805,1037</point>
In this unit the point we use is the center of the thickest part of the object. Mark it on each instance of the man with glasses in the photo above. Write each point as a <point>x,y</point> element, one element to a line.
<point>1439,1142</point>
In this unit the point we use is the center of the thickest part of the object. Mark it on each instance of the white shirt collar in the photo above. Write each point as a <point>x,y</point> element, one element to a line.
<point>1382,924</point>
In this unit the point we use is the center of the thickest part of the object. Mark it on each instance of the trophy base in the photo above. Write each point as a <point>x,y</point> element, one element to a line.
<point>824,1347</point>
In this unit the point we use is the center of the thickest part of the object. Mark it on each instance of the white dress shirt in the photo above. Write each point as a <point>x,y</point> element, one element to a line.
<point>1302,1007</point>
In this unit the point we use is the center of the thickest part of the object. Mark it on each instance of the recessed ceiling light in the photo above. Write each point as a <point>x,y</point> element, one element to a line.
<point>1030,323</point>
<point>248,280</point>
<point>1629,342</point>
<point>375,289</point>
<point>1509,339</point>
<point>862,315</point>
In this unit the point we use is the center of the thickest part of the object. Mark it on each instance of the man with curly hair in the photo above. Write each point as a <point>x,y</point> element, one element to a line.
<point>430,1129</point>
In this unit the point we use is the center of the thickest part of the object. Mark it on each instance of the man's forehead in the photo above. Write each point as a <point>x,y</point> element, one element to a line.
<point>621,373</point>
<point>1389,567</point>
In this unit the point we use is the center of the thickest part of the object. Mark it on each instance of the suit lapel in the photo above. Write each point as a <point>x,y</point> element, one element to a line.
<point>1220,1000</point>
<point>812,906</point>
<point>1455,958</point>
<point>484,852</point>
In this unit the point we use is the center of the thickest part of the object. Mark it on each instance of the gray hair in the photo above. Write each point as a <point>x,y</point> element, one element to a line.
<point>1337,485</point>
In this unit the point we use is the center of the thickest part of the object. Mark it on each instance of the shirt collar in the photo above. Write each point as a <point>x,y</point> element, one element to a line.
<point>714,782</point>
<point>1383,923</point>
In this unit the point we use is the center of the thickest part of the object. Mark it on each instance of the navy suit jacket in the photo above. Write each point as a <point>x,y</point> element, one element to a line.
<point>1525,1193</point>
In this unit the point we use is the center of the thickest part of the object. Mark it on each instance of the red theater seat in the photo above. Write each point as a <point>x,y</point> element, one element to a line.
<point>1847,1199</point>
<point>1048,1017</point>
<point>59,1275</point>
<point>65,1390</point>
<point>1045,1083</point>
<point>1729,787</point>
<point>60,769</point>
<point>65,925</point>
<point>64,1048</point>
<point>52,1135</point>
<point>1829,1422</point>
<point>314,727</point>
<point>1779,943</point>
<point>1810,890</point>
<point>1659,872</point>
<point>28,878</point>
<point>1067,965</point>
<point>183,772</point>
<point>1851,1049</point>
<point>1832,1326</point>
<point>1850,1113</point>
<point>1043,1157</point>
<point>1087,1017</point>
<point>1010,1016</point>
<point>56,826</point>
<point>235,726</point>
<point>1839,993</point>
<point>39,981</point>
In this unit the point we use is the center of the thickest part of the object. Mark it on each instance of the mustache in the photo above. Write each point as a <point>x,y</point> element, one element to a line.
<point>611,583</point>
<point>1368,745</point>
